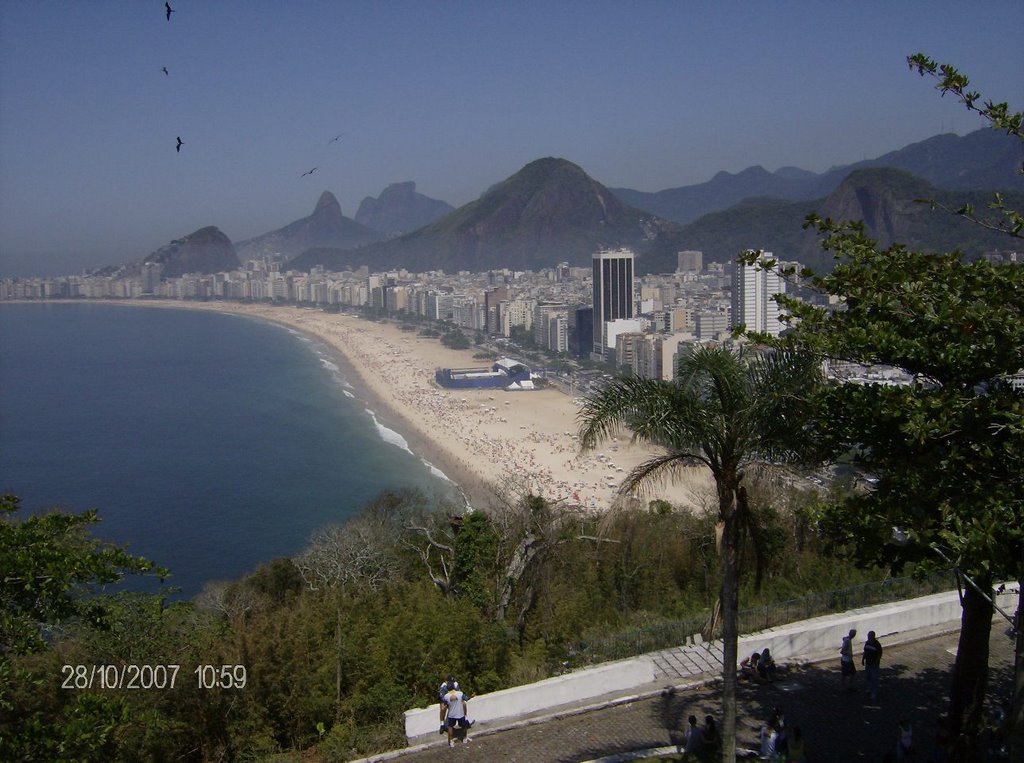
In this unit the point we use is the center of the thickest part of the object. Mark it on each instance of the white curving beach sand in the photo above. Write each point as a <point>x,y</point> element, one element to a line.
<point>478,438</point>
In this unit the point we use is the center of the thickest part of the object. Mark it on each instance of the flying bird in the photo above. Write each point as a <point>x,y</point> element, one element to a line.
<point>308,173</point>
<point>180,144</point>
<point>335,138</point>
<point>164,70</point>
<point>168,10</point>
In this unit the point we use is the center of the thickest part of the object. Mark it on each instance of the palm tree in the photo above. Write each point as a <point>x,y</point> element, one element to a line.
<point>728,410</point>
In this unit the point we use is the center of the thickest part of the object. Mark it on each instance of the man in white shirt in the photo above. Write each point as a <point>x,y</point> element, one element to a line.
<point>446,686</point>
<point>457,714</point>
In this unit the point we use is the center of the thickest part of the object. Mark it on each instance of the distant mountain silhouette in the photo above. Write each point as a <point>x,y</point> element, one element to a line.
<point>399,209</point>
<point>207,250</point>
<point>984,159</point>
<point>327,226</point>
<point>882,197</point>
<point>550,211</point>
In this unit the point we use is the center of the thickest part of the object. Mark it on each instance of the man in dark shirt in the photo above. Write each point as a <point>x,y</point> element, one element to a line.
<point>871,660</point>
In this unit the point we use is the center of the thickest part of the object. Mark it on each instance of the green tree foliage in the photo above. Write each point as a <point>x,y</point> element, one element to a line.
<point>727,411</point>
<point>52,570</point>
<point>341,640</point>
<point>455,340</point>
<point>947,447</point>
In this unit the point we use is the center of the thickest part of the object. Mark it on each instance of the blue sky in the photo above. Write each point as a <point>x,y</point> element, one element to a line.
<point>454,95</point>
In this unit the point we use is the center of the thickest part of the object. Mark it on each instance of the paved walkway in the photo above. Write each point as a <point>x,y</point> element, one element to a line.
<point>690,661</point>
<point>838,725</point>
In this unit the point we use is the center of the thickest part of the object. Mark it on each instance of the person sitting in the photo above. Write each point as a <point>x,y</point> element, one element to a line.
<point>766,666</point>
<point>748,667</point>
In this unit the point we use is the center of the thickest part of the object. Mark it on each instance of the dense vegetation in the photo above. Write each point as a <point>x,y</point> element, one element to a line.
<point>340,640</point>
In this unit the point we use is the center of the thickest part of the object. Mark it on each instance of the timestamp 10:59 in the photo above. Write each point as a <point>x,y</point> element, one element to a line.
<point>221,676</point>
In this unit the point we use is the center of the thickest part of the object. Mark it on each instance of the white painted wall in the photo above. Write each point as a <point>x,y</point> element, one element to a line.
<point>551,692</point>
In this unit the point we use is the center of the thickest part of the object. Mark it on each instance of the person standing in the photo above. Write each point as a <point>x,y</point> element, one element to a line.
<point>796,751</point>
<point>442,691</point>
<point>871,659</point>
<point>709,735</point>
<point>769,741</point>
<point>694,737</point>
<point>457,714</point>
<point>904,740</point>
<point>847,669</point>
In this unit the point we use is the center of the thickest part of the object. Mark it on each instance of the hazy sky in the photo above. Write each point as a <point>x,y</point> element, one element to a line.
<point>454,95</point>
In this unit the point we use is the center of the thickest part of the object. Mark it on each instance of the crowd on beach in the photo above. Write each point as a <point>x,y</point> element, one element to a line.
<point>480,431</point>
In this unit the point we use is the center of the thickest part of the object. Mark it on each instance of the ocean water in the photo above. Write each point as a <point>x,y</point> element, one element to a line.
<point>209,443</point>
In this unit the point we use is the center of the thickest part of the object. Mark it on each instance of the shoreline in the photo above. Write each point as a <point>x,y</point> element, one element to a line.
<point>483,441</point>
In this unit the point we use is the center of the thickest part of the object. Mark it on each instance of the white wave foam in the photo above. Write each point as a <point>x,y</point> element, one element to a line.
<point>392,437</point>
<point>389,436</point>
<point>437,472</point>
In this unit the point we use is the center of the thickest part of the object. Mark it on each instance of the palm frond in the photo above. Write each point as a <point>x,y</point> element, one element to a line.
<point>657,471</point>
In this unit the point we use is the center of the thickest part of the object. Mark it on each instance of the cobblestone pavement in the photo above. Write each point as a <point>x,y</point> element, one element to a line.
<point>838,725</point>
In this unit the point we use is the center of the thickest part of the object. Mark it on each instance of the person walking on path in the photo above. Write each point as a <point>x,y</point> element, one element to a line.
<point>847,669</point>
<point>457,714</point>
<point>871,659</point>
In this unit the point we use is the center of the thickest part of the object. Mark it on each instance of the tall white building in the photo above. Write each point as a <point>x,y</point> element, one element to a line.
<point>613,292</point>
<point>752,303</point>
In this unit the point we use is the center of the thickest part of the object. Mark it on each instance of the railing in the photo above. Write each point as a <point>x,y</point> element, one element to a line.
<point>665,635</point>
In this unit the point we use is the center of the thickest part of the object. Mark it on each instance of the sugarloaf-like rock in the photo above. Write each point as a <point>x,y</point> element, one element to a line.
<point>400,209</point>
<point>326,227</point>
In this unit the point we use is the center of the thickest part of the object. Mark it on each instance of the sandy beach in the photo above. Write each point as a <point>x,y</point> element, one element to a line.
<point>482,440</point>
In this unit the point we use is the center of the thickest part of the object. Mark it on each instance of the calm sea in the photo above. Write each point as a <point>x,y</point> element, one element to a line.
<point>209,443</point>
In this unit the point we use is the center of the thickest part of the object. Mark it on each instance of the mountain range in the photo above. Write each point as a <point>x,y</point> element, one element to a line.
<point>551,211</point>
<point>983,159</point>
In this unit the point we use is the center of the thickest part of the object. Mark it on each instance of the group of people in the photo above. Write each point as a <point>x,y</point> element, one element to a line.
<point>870,659</point>
<point>454,709</point>
<point>698,740</point>
<point>779,743</point>
<point>759,666</point>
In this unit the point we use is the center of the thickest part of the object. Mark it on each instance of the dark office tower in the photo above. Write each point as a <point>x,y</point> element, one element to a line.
<point>613,291</point>
<point>582,342</point>
<point>492,308</point>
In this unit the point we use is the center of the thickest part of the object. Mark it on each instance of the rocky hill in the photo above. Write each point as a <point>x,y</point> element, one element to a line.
<point>207,250</point>
<point>883,198</point>
<point>984,159</point>
<point>326,227</point>
<point>400,209</point>
<point>550,211</point>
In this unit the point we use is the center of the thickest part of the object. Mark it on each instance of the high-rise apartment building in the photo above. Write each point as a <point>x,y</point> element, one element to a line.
<point>613,291</point>
<point>752,303</point>
<point>689,261</point>
<point>492,307</point>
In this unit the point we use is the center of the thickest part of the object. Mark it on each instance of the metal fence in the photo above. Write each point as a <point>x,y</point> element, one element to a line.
<point>665,635</point>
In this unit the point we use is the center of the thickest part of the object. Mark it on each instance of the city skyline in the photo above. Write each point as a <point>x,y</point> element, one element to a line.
<point>454,96</point>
